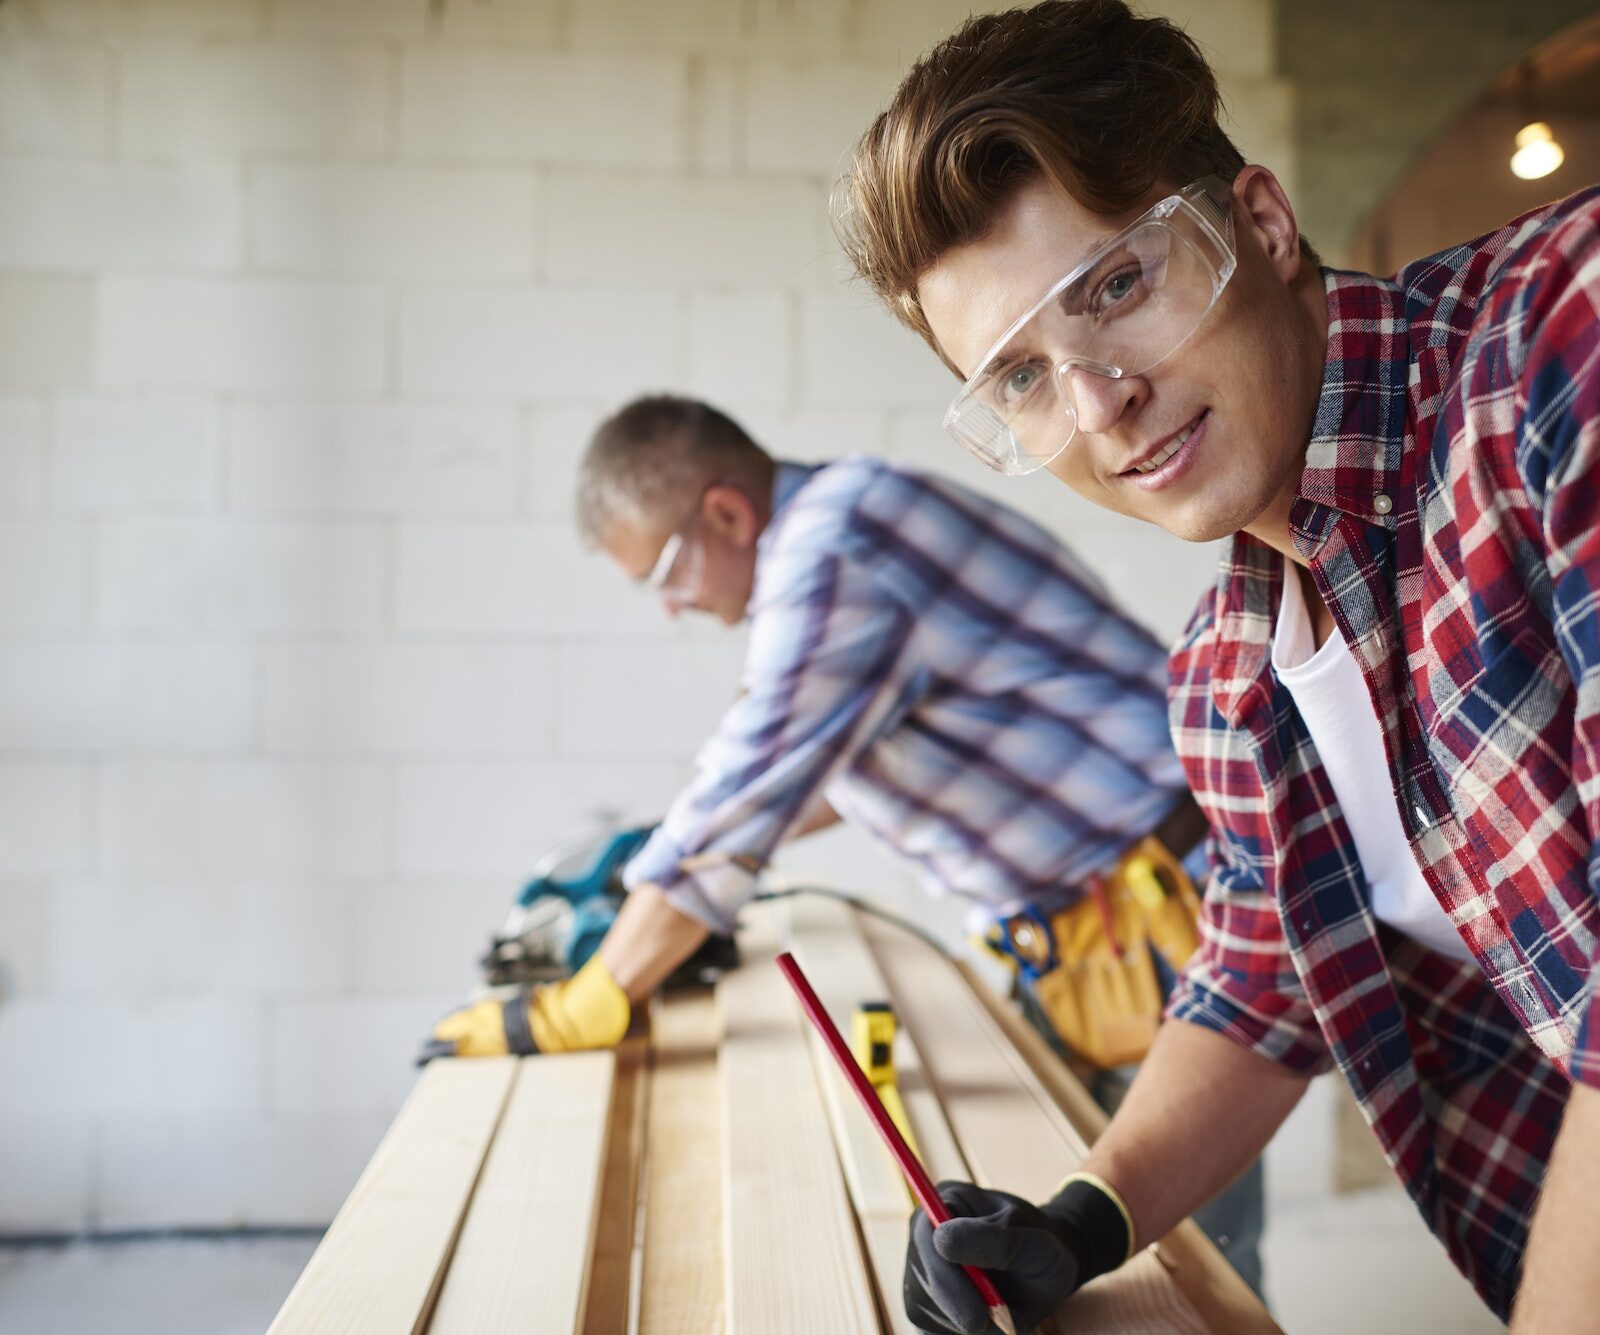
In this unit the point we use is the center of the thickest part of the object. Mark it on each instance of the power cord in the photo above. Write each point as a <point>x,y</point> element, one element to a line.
<point>860,905</point>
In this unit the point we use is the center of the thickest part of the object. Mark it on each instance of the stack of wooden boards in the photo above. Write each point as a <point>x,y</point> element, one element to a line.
<point>719,1178</point>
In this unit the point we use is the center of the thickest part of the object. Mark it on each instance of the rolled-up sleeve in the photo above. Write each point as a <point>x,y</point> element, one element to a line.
<point>1241,981</point>
<point>819,683</point>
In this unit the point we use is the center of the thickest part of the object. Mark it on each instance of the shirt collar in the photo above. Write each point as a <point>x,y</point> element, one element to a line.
<point>1353,464</point>
<point>1360,432</point>
<point>787,479</point>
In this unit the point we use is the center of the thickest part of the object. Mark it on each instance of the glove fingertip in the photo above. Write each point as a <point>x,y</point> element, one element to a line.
<point>435,1048</point>
<point>955,1233</point>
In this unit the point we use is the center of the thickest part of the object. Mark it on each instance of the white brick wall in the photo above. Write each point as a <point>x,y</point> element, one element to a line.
<point>53,97</point>
<point>123,19</point>
<point>500,22</point>
<point>611,707</point>
<point>223,818</point>
<point>178,935</point>
<point>25,931</point>
<point>23,453</point>
<point>503,579</point>
<point>74,214</point>
<point>852,351</point>
<point>704,229</point>
<point>46,328</point>
<point>135,455</point>
<point>44,818</point>
<point>251,334</point>
<point>508,342</point>
<point>484,105</point>
<point>408,700</point>
<point>88,696</point>
<point>348,1057</point>
<point>807,118</point>
<point>300,99</point>
<point>307,308</point>
<point>42,577</point>
<point>494,820</point>
<point>394,220</point>
<point>741,348</point>
<point>191,1056</point>
<point>372,459</point>
<point>47,1168</point>
<point>234,574</point>
<point>280,1169</point>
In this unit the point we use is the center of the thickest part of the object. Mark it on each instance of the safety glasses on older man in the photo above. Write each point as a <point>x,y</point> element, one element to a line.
<point>1121,312</point>
<point>677,572</point>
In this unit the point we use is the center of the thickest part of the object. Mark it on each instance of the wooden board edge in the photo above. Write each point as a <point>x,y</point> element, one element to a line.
<point>497,1072</point>
<point>604,1305</point>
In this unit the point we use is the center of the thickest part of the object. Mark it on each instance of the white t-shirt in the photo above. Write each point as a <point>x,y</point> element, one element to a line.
<point>1332,698</point>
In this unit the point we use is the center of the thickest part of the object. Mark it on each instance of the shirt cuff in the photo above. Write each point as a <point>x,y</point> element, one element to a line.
<point>711,892</point>
<point>1266,1022</point>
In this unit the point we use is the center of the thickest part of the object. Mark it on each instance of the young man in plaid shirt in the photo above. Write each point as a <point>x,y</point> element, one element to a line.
<point>1388,704</point>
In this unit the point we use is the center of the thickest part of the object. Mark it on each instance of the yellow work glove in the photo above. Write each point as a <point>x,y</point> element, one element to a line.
<point>588,1010</point>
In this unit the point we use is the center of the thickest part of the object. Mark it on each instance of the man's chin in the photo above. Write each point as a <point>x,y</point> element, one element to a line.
<point>1211,523</point>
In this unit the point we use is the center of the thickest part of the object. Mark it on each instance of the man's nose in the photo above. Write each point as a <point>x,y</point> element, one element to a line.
<point>1101,401</point>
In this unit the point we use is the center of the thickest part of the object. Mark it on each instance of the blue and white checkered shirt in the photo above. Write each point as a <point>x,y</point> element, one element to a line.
<point>948,675</point>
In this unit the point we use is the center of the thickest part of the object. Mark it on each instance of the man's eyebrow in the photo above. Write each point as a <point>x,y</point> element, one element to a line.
<point>994,363</point>
<point>1093,248</point>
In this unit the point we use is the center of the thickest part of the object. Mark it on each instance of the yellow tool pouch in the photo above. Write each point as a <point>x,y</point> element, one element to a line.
<point>1091,967</point>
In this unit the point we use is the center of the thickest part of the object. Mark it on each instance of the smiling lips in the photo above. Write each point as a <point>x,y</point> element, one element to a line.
<point>1174,443</point>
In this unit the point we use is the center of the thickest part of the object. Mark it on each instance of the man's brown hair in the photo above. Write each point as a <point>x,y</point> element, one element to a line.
<point>1084,94</point>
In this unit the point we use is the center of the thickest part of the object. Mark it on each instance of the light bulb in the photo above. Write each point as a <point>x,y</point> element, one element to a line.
<point>1537,153</point>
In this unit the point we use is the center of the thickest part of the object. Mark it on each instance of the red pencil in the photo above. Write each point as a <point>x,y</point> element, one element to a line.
<point>910,1165</point>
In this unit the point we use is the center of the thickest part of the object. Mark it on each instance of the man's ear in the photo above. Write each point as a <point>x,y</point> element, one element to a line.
<point>732,514</point>
<point>1260,204</point>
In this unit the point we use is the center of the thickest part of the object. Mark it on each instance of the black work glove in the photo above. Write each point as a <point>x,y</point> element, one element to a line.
<point>1037,1256</point>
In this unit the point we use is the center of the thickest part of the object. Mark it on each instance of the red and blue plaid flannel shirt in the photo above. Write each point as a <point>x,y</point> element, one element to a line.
<point>1450,512</point>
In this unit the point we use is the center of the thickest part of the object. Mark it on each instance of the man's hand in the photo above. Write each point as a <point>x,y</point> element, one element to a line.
<point>587,1010</point>
<point>1038,1256</point>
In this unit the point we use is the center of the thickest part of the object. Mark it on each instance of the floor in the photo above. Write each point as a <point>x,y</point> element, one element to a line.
<point>1334,1265</point>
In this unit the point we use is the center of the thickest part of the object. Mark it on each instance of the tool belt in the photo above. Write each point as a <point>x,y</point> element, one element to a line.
<point>1092,967</point>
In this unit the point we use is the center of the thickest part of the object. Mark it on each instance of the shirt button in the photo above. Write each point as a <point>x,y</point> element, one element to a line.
<point>1381,503</point>
<point>1422,816</point>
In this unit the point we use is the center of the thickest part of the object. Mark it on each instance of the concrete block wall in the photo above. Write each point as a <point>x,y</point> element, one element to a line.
<point>306,307</point>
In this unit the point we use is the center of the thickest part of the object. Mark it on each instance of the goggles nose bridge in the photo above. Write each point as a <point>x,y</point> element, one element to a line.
<point>1069,364</point>
<point>1061,373</point>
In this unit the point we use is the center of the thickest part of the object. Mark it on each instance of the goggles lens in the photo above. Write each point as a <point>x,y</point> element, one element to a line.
<point>1121,312</point>
<point>676,574</point>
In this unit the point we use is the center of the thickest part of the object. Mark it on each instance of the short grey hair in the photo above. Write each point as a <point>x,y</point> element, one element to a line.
<point>650,458</point>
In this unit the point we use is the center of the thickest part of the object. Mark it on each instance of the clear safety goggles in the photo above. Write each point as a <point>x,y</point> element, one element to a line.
<point>677,571</point>
<point>1121,312</point>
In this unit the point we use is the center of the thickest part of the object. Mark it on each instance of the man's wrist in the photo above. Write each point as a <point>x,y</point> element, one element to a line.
<point>1091,1209</point>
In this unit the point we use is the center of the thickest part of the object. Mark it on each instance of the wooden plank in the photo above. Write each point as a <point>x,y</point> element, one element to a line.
<point>609,1292</point>
<point>826,938</point>
<point>794,1262</point>
<point>1222,1298</point>
<point>380,1264</point>
<point>680,1286</point>
<point>1087,1117</point>
<point>827,941</point>
<point>1013,1133</point>
<point>524,1250</point>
